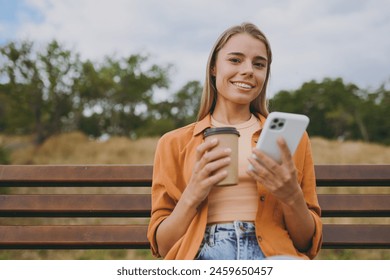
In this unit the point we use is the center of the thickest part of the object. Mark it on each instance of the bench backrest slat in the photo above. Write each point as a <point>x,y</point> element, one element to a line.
<point>139,205</point>
<point>141,175</point>
<point>75,205</point>
<point>75,175</point>
<point>352,175</point>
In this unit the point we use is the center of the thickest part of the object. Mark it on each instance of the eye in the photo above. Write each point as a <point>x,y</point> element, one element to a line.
<point>259,65</point>
<point>235,60</point>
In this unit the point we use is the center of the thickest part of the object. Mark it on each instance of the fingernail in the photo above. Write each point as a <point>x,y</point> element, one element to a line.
<point>228,150</point>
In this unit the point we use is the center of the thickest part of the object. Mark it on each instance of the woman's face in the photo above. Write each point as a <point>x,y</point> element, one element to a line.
<point>240,69</point>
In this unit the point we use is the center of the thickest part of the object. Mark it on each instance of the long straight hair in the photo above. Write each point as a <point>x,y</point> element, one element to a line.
<point>209,94</point>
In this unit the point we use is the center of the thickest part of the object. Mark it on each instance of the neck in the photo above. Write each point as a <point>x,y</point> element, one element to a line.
<point>232,116</point>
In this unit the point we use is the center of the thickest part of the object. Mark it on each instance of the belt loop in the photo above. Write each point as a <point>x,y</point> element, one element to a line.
<point>212,235</point>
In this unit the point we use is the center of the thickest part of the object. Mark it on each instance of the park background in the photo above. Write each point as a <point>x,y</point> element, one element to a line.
<point>100,81</point>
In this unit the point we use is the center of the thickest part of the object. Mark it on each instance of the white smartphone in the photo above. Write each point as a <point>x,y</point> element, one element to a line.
<point>287,125</point>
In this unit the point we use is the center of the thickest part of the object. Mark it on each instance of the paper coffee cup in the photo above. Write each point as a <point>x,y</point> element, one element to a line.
<point>227,138</point>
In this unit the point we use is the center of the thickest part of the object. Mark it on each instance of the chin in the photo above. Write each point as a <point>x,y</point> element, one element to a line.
<point>243,100</point>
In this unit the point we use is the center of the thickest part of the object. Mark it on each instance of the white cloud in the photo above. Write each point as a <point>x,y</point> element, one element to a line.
<point>310,39</point>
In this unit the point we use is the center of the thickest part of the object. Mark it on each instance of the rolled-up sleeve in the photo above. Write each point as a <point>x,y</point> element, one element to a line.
<point>308,185</point>
<point>163,201</point>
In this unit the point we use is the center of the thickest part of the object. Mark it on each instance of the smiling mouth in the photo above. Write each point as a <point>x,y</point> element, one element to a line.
<point>242,85</point>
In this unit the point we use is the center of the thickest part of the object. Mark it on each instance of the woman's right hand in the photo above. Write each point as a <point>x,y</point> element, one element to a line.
<point>208,170</point>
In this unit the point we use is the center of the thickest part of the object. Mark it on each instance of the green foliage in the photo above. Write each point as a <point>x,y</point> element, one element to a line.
<point>4,156</point>
<point>115,96</point>
<point>179,111</point>
<point>338,110</point>
<point>38,89</point>
<point>52,90</point>
<point>4,159</point>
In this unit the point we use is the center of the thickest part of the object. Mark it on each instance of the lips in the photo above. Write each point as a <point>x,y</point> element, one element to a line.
<point>243,85</point>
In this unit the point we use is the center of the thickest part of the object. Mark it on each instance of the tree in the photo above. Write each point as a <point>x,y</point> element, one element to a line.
<point>186,102</point>
<point>118,94</point>
<point>51,91</point>
<point>335,108</point>
<point>177,111</point>
<point>17,73</point>
<point>375,110</point>
<point>38,88</point>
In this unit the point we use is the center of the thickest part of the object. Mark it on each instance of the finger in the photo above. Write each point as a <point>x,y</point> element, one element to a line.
<point>215,178</point>
<point>285,152</point>
<point>254,175</point>
<point>265,160</point>
<point>214,155</point>
<point>204,147</point>
<point>212,167</point>
<point>258,170</point>
<point>262,176</point>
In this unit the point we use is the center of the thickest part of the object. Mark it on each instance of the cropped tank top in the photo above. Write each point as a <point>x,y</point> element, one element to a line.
<point>237,202</point>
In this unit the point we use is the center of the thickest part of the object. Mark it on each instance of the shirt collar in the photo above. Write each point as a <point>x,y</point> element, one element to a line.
<point>201,125</point>
<point>204,123</point>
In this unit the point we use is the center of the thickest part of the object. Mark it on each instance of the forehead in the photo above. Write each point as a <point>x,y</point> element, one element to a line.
<point>246,44</point>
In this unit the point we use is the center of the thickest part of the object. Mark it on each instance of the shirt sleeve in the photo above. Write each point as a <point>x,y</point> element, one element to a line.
<point>163,194</point>
<point>308,185</point>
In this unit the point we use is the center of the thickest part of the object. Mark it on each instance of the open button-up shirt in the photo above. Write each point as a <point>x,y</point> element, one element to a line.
<point>173,165</point>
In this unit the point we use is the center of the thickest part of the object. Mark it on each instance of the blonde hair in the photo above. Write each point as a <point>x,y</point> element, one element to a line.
<point>209,94</point>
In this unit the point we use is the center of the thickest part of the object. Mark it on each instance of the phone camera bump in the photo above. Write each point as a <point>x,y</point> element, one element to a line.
<point>277,123</point>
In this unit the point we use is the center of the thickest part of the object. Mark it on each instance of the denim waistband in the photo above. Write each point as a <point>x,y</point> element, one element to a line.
<point>232,228</point>
<point>244,226</point>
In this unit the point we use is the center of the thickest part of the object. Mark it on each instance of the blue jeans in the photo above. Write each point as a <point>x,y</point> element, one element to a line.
<point>231,241</point>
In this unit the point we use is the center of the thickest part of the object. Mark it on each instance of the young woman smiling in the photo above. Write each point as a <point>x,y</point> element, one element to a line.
<point>273,209</point>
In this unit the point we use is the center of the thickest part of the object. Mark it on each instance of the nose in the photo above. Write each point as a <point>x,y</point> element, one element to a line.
<point>247,68</point>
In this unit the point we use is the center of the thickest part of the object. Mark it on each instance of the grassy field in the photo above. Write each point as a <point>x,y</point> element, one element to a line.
<point>76,148</point>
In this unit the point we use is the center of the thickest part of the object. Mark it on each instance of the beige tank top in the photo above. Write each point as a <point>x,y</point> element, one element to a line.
<point>238,202</point>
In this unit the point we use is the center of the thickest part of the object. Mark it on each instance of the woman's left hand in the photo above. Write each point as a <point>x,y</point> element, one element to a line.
<point>279,178</point>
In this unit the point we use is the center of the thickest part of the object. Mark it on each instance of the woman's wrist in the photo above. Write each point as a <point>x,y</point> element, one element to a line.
<point>189,201</point>
<point>295,200</point>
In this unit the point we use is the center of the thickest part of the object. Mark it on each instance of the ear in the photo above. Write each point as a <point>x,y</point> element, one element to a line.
<point>212,71</point>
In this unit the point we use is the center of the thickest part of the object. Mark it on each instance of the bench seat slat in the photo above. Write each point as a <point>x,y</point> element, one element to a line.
<point>356,236</point>
<point>73,237</point>
<point>131,236</point>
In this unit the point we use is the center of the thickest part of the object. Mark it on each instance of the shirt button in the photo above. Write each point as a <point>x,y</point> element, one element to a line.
<point>259,238</point>
<point>262,198</point>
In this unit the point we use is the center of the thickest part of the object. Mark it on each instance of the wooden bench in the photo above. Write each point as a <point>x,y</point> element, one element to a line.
<point>17,210</point>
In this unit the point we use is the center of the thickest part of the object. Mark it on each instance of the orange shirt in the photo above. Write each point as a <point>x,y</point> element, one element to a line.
<point>173,165</point>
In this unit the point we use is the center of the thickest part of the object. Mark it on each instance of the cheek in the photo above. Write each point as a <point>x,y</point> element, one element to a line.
<point>221,81</point>
<point>261,79</point>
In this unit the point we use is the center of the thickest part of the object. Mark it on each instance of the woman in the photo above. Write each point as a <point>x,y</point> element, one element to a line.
<point>273,210</point>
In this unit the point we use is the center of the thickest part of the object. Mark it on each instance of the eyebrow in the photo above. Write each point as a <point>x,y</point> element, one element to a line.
<point>241,54</point>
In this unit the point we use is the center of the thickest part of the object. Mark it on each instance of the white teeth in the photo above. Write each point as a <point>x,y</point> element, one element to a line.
<point>243,85</point>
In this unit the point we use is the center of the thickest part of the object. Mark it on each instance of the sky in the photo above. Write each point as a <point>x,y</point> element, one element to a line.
<point>310,39</point>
